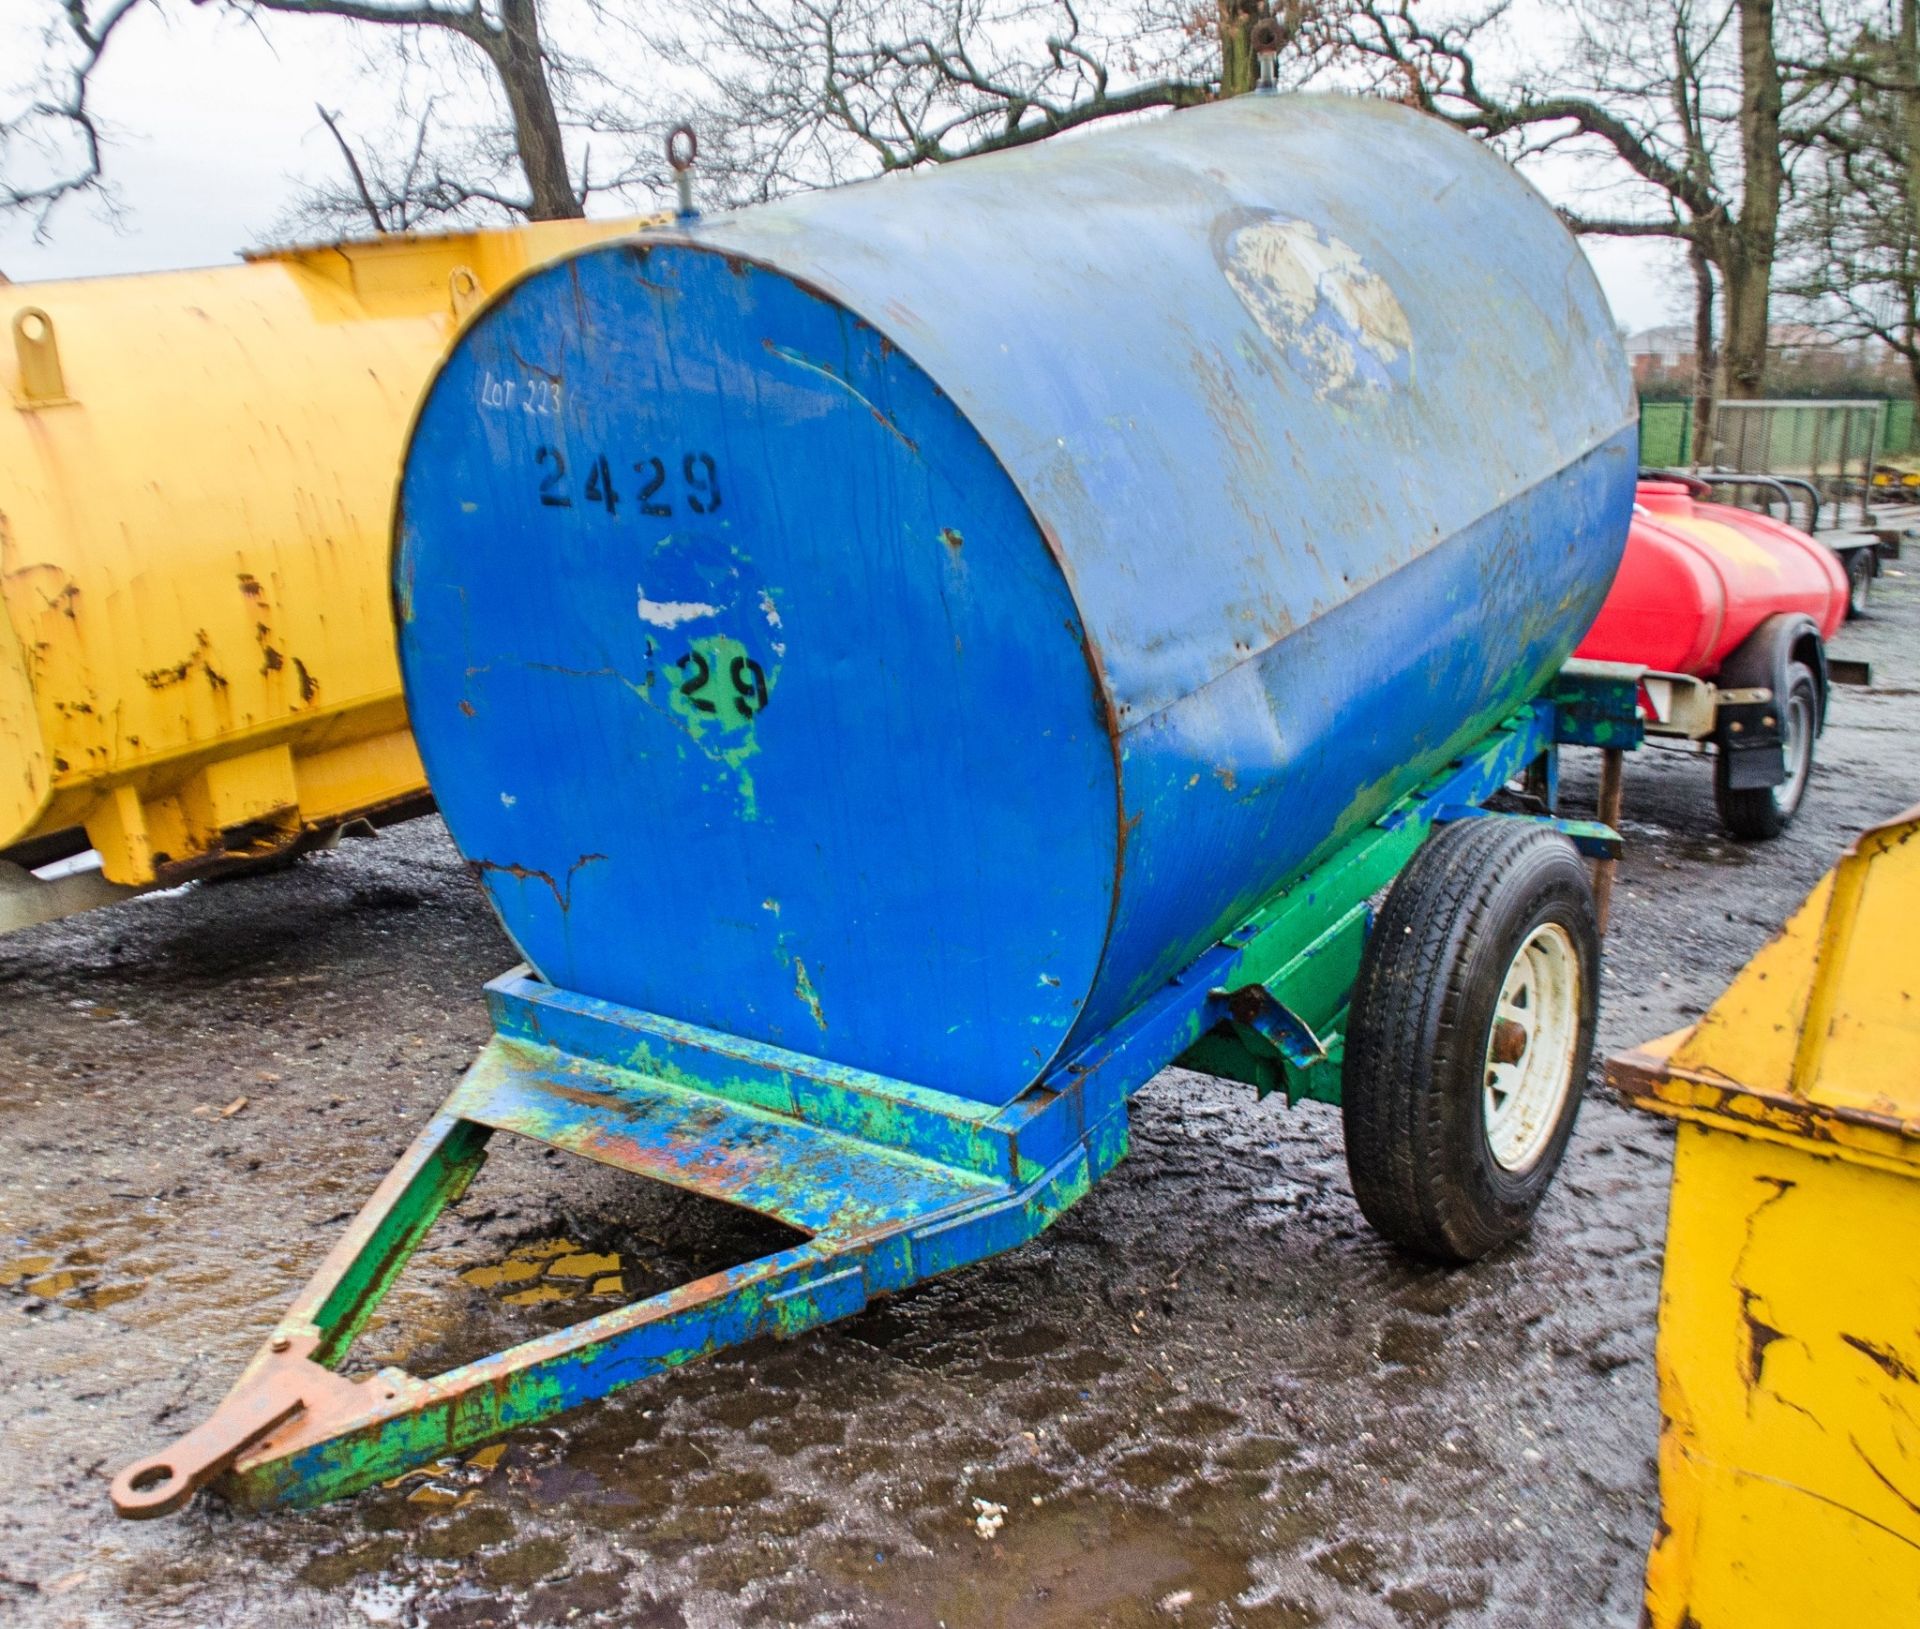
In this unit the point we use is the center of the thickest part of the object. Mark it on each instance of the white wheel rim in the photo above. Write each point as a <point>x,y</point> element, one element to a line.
<point>1799,750</point>
<point>1530,1047</point>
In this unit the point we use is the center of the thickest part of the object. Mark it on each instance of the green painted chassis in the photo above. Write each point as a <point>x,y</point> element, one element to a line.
<point>890,1183</point>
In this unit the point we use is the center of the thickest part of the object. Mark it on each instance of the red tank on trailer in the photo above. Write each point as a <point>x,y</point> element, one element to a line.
<point>1698,578</point>
<point>1726,613</point>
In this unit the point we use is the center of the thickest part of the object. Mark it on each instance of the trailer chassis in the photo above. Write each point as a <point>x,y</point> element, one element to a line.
<point>890,1182</point>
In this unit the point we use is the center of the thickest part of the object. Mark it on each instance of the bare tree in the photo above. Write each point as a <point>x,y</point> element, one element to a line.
<point>1685,100</point>
<point>1855,246</point>
<point>804,92</point>
<point>517,160</point>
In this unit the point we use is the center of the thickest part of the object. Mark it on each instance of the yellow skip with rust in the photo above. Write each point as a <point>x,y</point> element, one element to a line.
<point>1789,1346</point>
<point>196,480</point>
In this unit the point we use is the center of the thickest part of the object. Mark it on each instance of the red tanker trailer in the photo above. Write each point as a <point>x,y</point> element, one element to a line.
<point>1727,613</point>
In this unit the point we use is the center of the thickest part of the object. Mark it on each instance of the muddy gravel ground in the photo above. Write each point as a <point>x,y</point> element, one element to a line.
<point>1209,1396</point>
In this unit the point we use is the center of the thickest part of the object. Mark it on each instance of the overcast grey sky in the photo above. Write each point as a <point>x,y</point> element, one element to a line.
<point>214,127</point>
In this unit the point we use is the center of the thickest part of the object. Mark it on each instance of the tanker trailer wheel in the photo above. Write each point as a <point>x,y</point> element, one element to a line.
<point>1470,1033</point>
<point>1758,812</point>
<point>1860,573</point>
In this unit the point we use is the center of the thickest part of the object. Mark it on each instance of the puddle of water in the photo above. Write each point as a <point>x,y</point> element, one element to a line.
<point>538,1245</point>
<point>452,1481</point>
<point>1060,1565</point>
<point>69,1278</point>
<point>550,1270</point>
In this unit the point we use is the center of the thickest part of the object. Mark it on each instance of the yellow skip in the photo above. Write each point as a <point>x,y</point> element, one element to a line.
<point>1789,1346</point>
<point>196,653</point>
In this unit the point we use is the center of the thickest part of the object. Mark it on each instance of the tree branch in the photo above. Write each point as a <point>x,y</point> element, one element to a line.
<point>353,169</point>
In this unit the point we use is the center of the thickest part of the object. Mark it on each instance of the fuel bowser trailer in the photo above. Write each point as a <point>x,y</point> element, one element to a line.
<point>912,661</point>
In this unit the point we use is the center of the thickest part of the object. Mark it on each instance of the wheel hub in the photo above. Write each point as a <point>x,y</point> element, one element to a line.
<point>1509,1044</point>
<point>1530,1048</point>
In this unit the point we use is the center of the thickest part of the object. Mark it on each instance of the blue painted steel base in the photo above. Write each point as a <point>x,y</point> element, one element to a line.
<point>898,1180</point>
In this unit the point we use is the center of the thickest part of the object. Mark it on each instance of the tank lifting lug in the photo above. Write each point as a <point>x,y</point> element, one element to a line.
<point>683,147</point>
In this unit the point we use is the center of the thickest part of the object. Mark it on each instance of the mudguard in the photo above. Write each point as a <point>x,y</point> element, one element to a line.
<point>1748,733</point>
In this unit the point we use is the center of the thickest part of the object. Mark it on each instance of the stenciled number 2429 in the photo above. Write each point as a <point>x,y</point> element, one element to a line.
<point>652,486</point>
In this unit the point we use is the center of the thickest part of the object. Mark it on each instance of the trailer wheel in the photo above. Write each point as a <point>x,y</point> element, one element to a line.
<point>1759,812</point>
<point>1860,575</point>
<point>1469,1038</point>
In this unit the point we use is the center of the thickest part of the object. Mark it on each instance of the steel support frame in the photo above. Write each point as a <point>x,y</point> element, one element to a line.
<point>890,1183</point>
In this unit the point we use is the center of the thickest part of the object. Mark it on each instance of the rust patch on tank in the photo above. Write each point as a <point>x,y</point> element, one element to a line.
<point>563,895</point>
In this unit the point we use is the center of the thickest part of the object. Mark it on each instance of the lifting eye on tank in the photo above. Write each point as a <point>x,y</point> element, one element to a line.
<point>683,147</point>
<point>1268,37</point>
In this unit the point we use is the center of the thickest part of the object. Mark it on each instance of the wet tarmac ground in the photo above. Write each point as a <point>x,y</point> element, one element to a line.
<point>1209,1396</point>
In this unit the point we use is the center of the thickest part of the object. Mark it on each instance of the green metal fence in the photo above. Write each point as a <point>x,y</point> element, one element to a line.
<point>1896,428</point>
<point>1666,434</point>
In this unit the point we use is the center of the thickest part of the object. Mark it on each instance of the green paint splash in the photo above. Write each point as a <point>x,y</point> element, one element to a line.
<point>727,734</point>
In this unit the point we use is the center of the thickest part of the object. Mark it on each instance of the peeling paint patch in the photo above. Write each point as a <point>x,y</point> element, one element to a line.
<point>803,988</point>
<point>162,678</point>
<point>1760,1335</point>
<point>671,613</point>
<point>1336,319</point>
<point>1884,1358</point>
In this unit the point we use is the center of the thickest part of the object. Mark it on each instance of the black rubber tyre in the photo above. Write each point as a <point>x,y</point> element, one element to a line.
<point>1756,813</point>
<point>1859,582</point>
<point>1417,1072</point>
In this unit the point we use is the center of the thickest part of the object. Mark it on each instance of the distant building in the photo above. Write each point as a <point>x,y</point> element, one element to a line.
<point>1664,355</point>
<point>1663,350</point>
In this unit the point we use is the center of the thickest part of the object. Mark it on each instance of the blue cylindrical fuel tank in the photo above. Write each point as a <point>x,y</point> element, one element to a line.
<point>907,623</point>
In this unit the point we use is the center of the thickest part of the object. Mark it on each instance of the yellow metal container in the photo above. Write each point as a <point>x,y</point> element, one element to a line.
<point>196,479</point>
<point>1789,1346</point>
